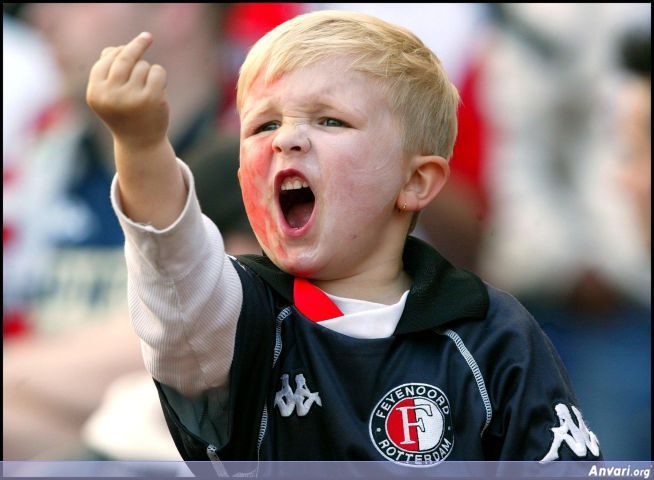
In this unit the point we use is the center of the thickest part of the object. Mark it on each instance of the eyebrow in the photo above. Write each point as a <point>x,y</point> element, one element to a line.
<point>257,110</point>
<point>321,103</point>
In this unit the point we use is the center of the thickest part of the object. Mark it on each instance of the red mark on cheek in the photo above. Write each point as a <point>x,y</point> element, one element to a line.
<point>252,180</point>
<point>259,198</point>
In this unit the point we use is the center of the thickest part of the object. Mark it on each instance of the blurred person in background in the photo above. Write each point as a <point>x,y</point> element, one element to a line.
<point>634,128</point>
<point>74,338</point>
<point>30,81</point>
<point>563,234</point>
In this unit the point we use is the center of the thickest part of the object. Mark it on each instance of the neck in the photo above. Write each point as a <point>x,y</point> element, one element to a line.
<point>385,284</point>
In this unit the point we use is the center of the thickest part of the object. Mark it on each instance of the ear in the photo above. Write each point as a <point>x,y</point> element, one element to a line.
<point>426,177</point>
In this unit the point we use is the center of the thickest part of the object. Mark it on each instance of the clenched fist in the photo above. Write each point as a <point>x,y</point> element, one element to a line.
<point>129,94</point>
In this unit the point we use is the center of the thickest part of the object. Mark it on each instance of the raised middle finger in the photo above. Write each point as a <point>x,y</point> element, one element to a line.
<point>122,66</point>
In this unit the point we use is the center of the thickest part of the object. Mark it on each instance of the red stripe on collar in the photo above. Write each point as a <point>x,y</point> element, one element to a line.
<point>312,302</point>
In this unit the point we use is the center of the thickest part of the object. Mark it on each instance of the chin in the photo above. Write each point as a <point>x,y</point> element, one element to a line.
<point>302,269</point>
<point>305,266</point>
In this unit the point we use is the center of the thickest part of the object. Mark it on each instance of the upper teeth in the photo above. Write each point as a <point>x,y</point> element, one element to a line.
<point>294,183</point>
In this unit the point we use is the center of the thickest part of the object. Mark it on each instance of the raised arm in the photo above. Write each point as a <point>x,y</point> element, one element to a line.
<point>129,95</point>
<point>184,293</point>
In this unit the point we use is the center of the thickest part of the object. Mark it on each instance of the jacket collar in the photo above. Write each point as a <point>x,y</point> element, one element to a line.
<point>441,293</point>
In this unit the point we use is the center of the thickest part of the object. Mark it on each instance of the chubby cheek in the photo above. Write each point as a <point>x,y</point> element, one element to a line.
<point>359,201</point>
<point>258,199</point>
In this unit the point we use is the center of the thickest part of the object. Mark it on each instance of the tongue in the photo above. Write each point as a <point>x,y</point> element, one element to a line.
<point>298,215</point>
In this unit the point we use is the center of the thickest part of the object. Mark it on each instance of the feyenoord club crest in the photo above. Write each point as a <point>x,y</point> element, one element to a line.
<point>412,425</point>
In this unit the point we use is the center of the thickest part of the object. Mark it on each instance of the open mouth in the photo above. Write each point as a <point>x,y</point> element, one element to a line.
<point>296,200</point>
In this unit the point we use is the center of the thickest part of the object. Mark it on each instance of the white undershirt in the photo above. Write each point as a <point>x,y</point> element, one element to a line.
<point>362,319</point>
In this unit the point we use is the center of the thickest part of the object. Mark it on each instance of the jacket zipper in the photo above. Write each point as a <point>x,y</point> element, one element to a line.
<point>278,350</point>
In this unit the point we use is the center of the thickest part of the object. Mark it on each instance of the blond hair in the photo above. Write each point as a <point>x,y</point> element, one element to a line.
<point>417,87</point>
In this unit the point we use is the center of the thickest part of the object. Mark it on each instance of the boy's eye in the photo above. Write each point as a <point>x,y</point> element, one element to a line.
<point>267,127</point>
<point>332,122</point>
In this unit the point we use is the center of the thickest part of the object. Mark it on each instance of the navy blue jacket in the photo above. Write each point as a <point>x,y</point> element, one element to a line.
<point>467,375</point>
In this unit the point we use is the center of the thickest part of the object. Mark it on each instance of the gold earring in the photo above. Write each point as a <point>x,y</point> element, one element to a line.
<point>404,206</point>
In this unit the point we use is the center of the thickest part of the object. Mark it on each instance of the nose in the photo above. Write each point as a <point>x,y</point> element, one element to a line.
<point>291,138</point>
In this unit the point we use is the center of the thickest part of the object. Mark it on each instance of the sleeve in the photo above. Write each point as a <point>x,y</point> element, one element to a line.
<point>536,415</point>
<point>184,296</point>
<point>230,424</point>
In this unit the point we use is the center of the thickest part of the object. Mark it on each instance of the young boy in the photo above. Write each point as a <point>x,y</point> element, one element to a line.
<point>347,340</point>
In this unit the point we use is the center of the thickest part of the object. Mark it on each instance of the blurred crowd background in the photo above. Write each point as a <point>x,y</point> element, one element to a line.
<point>549,198</point>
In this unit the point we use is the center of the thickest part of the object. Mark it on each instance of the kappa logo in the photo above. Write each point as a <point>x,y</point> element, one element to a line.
<point>412,425</point>
<point>578,438</point>
<point>301,400</point>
